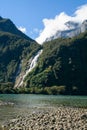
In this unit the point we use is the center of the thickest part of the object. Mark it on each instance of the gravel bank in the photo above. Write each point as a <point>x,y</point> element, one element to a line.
<point>6,103</point>
<point>54,118</point>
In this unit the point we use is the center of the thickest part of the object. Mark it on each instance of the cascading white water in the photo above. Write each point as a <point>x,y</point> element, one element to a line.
<point>31,64</point>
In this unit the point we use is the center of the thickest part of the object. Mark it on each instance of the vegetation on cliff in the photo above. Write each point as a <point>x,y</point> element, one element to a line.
<point>61,68</point>
<point>14,48</point>
<point>62,63</point>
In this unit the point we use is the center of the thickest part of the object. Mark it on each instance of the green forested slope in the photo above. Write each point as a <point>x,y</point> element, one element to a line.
<point>6,25</point>
<point>62,67</point>
<point>14,47</point>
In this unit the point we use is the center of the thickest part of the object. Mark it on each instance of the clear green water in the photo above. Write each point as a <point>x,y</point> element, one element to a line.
<point>29,102</point>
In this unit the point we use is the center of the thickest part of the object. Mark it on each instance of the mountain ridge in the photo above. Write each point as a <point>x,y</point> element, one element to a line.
<point>11,28</point>
<point>14,47</point>
<point>61,68</point>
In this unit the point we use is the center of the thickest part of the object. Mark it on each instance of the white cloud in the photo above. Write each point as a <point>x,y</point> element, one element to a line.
<point>81,13</point>
<point>22,29</point>
<point>51,26</point>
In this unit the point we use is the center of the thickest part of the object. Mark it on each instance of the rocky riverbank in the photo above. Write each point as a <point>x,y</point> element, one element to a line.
<point>58,118</point>
<point>6,103</point>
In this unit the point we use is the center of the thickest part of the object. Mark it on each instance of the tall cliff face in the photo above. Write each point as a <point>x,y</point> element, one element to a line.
<point>14,48</point>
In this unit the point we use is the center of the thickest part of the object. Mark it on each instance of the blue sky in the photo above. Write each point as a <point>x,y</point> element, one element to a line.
<point>29,14</point>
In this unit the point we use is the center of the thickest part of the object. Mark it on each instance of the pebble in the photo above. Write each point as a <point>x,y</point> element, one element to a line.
<point>54,118</point>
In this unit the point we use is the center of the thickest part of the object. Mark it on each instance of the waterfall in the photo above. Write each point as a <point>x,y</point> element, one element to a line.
<point>33,63</point>
<point>30,65</point>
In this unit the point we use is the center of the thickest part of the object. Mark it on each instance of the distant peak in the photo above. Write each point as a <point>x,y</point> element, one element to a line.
<point>6,25</point>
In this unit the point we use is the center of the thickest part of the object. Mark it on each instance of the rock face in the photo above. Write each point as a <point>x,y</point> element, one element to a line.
<point>73,29</point>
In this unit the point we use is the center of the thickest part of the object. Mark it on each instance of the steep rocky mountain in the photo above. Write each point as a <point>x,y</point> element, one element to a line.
<point>73,29</point>
<point>7,25</point>
<point>15,48</point>
<point>62,67</point>
<point>57,67</point>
